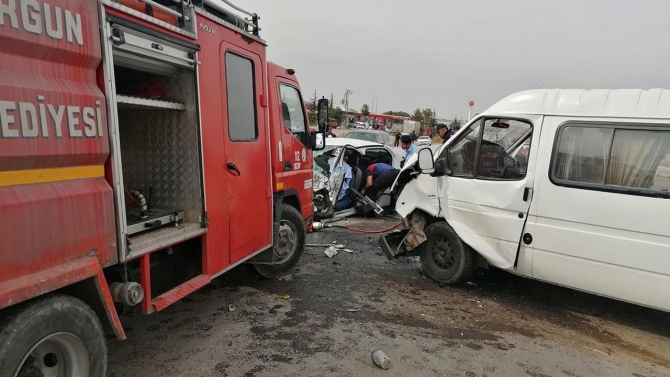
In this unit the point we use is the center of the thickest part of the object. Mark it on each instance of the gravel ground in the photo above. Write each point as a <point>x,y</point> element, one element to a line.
<point>327,317</point>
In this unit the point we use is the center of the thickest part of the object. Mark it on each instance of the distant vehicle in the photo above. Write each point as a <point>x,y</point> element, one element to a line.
<point>373,136</point>
<point>360,125</point>
<point>423,140</point>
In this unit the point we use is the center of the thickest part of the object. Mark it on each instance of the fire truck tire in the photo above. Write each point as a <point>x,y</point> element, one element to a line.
<point>444,257</point>
<point>52,332</point>
<point>291,244</point>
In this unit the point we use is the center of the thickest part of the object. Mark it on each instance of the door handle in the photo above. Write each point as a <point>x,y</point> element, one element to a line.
<point>234,168</point>
<point>287,165</point>
<point>526,193</point>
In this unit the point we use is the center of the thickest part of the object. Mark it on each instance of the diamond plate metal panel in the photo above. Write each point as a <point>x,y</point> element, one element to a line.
<point>160,150</point>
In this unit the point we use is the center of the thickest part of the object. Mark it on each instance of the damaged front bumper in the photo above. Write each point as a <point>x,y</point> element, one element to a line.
<point>406,240</point>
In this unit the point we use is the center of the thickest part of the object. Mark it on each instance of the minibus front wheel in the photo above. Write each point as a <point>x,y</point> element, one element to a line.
<point>444,257</point>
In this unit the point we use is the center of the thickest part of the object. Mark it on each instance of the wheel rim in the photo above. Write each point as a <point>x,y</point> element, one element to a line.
<point>442,254</point>
<point>288,241</point>
<point>56,355</point>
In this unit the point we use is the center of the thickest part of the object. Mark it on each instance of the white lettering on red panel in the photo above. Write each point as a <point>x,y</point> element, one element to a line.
<point>30,120</point>
<point>40,17</point>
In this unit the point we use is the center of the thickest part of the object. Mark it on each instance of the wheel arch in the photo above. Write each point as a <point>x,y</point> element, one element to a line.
<point>83,279</point>
<point>291,197</point>
<point>90,292</point>
<point>430,219</point>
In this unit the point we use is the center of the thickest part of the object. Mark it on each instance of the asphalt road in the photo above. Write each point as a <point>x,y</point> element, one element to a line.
<point>327,317</point>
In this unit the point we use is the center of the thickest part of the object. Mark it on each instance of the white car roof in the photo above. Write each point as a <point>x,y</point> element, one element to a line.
<point>356,143</point>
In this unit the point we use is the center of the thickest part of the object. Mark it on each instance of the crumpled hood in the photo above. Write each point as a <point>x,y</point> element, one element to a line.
<point>320,181</point>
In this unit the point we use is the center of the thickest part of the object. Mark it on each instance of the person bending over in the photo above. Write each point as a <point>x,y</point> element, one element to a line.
<point>379,177</point>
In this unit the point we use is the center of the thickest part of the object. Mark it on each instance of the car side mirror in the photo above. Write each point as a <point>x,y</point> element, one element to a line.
<point>322,114</point>
<point>426,163</point>
<point>317,141</point>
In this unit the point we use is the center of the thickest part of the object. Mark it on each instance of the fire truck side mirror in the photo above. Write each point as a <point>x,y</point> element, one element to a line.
<point>317,141</point>
<point>322,114</point>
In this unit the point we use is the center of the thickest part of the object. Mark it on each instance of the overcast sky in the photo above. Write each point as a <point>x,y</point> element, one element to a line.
<point>440,54</point>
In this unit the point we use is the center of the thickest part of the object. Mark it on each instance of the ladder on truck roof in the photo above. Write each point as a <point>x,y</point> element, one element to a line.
<point>178,14</point>
<point>220,8</point>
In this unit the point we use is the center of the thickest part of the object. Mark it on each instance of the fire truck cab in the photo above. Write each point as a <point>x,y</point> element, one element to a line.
<point>146,147</point>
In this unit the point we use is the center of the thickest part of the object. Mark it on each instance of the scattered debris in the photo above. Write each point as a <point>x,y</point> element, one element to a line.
<point>330,252</point>
<point>380,359</point>
<point>471,283</point>
<point>349,251</point>
<point>285,297</point>
<point>231,308</point>
<point>353,310</point>
<point>317,245</point>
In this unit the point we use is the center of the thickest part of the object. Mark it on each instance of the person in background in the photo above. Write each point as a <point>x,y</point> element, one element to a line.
<point>442,130</point>
<point>397,139</point>
<point>454,128</point>
<point>408,148</point>
<point>413,135</point>
<point>379,177</point>
<point>330,132</point>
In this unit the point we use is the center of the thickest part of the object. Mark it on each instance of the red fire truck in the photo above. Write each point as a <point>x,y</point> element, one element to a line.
<point>146,147</point>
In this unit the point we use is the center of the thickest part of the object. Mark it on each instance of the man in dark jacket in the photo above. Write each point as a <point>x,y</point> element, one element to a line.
<point>442,130</point>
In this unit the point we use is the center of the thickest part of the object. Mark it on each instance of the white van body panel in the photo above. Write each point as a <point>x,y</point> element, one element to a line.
<point>419,193</point>
<point>614,244</point>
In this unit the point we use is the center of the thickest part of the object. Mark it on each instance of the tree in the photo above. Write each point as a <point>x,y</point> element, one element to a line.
<point>312,102</point>
<point>312,118</point>
<point>337,114</point>
<point>427,117</point>
<point>398,113</point>
<point>331,104</point>
<point>418,115</point>
<point>365,109</point>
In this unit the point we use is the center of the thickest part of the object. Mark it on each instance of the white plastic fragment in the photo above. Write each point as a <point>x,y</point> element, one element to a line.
<point>330,252</point>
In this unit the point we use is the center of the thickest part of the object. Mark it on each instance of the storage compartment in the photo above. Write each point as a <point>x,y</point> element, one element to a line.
<point>159,149</point>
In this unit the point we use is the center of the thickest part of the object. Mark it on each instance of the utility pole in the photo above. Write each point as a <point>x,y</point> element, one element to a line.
<point>345,102</point>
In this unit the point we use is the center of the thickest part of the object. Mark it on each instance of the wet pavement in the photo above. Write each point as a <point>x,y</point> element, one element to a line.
<point>327,317</point>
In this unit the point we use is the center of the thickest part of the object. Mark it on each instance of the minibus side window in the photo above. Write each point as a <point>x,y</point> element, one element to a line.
<point>617,159</point>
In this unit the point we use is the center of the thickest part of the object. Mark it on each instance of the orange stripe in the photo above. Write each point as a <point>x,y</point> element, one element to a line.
<point>27,177</point>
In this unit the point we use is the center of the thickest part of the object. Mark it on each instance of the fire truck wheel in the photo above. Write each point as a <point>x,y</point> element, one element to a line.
<point>444,257</point>
<point>290,246</point>
<point>52,336</point>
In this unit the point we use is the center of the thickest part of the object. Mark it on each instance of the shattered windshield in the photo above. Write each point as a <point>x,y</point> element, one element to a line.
<point>321,159</point>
